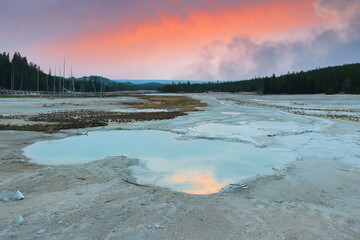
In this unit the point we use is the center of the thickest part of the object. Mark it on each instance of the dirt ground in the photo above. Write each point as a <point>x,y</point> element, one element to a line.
<point>308,200</point>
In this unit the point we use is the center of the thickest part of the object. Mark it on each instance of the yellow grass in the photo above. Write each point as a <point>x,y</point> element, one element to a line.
<point>181,103</point>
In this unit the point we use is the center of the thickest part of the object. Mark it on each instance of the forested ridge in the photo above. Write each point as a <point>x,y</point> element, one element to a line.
<point>329,80</point>
<point>19,74</point>
<point>27,76</point>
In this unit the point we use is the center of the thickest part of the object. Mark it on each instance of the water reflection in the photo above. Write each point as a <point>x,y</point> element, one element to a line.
<point>197,181</point>
<point>196,166</point>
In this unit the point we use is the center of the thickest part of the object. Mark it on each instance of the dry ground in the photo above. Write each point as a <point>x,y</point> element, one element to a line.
<point>54,121</point>
<point>308,200</point>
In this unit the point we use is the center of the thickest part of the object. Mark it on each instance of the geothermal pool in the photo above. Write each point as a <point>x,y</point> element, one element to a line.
<point>198,166</point>
<point>224,143</point>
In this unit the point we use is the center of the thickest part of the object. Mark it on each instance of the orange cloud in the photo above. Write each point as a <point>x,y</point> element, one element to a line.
<point>201,182</point>
<point>171,42</point>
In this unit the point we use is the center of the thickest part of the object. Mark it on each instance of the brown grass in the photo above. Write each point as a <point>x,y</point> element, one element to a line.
<point>55,121</point>
<point>169,102</point>
<point>84,119</point>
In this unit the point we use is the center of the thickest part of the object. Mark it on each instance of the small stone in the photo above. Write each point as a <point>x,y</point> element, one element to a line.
<point>41,231</point>
<point>64,175</point>
<point>249,232</point>
<point>157,226</point>
<point>6,195</point>
<point>79,193</point>
<point>18,195</point>
<point>19,220</point>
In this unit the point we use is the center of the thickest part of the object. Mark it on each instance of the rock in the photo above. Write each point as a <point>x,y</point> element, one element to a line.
<point>10,196</point>
<point>41,231</point>
<point>157,226</point>
<point>19,220</point>
<point>18,195</point>
<point>6,195</point>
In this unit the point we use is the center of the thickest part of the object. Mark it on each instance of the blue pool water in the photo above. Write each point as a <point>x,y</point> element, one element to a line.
<point>198,166</point>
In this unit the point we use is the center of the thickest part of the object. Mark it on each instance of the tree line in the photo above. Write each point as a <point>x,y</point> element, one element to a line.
<point>18,74</point>
<point>329,80</point>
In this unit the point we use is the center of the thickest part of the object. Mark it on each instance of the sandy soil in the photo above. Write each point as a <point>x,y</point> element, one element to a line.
<point>309,200</point>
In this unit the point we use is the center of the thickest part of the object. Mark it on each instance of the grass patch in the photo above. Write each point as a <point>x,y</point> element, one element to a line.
<point>77,119</point>
<point>62,120</point>
<point>169,102</point>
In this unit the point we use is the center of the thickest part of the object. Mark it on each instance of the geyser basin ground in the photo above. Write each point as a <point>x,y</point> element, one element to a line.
<point>198,166</point>
<point>316,198</point>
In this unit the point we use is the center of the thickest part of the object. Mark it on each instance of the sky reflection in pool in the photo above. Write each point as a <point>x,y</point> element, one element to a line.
<point>196,166</point>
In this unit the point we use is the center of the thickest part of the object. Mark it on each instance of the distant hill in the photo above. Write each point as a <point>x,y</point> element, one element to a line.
<point>141,84</point>
<point>131,85</point>
<point>105,81</point>
<point>159,81</point>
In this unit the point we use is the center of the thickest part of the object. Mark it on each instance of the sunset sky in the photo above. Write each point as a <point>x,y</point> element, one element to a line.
<point>182,39</point>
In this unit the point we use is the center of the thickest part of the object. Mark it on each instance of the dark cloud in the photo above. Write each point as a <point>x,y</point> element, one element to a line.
<point>245,58</point>
<point>205,67</point>
<point>346,11</point>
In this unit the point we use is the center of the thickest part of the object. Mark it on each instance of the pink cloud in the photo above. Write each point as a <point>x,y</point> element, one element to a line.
<point>205,40</point>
